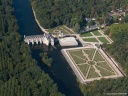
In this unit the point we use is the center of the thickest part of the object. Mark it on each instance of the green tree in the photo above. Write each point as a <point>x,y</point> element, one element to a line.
<point>46,59</point>
<point>77,27</point>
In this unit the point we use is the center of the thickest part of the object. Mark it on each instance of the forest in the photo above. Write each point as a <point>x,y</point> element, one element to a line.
<point>119,49</point>
<point>19,72</point>
<point>72,13</point>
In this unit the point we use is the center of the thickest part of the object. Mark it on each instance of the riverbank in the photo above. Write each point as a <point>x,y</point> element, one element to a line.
<point>43,30</point>
<point>60,72</point>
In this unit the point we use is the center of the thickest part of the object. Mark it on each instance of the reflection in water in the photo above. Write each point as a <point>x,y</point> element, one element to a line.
<point>60,72</point>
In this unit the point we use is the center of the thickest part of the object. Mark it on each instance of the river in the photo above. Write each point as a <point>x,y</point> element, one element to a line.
<point>60,72</point>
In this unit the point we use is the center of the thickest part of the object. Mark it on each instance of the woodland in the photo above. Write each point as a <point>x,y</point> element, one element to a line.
<point>19,73</point>
<point>73,13</point>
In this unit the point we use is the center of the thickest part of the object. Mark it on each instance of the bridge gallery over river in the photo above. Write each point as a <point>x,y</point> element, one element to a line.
<point>46,38</point>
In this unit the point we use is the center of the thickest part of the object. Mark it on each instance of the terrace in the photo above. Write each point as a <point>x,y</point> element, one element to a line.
<point>90,64</point>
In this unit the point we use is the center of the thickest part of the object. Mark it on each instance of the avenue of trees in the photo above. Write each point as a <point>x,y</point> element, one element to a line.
<point>72,13</point>
<point>19,72</point>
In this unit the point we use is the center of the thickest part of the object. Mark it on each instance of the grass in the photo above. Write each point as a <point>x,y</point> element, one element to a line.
<point>67,29</point>
<point>90,40</point>
<point>86,34</point>
<point>105,65</point>
<point>98,57</point>
<point>90,53</point>
<point>51,30</point>
<point>76,57</point>
<point>84,68</point>
<point>91,63</point>
<point>103,39</point>
<point>104,72</point>
<point>77,60</point>
<point>63,29</point>
<point>78,53</point>
<point>92,73</point>
<point>96,33</point>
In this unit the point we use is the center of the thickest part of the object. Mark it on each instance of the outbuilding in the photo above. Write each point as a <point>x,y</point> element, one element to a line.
<point>68,41</point>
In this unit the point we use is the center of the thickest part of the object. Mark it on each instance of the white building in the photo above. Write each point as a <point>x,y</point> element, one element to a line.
<point>68,41</point>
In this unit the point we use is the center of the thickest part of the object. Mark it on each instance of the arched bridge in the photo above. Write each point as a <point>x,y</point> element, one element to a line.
<point>46,38</point>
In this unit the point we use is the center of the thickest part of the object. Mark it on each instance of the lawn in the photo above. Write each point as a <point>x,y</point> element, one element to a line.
<point>65,28</point>
<point>61,28</point>
<point>77,59</point>
<point>104,72</point>
<point>103,39</point>
<point>98,57</point>
<point>96,33</point>
<point>52,30</point>
<point>105,65</point>
<point>84,68</point>
<point>92,73</point>
<point>91,62</point>
<point>94,67</point>
<point>90,40</point>
<point>90,53</point>
<point>86,34</point>
<point>78,56</point>
<point>79,53</point>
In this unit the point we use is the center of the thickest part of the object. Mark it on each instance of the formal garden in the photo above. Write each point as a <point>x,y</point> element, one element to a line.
<point>61,29</point>
<point>91,63</point>
<point>94,36</point>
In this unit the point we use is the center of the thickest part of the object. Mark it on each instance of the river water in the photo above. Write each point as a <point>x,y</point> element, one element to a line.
<point>60,72</point>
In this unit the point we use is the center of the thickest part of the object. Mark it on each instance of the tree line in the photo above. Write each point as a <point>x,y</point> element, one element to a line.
<point>72,13</point>
<point>19,72</point>
<point>119,49</point>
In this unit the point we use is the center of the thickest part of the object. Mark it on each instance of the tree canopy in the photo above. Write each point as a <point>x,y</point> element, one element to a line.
<point>119,49</point>
<point>19,72</point>
<point>51,13</point>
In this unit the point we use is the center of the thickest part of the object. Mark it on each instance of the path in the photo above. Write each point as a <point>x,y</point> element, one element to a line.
<point>69,29</point>
<point>94,54</point>
<point>43,30</point>
<point>86,55</point>
<point>97,71</point>
<point>79,57</point>
<point>96,37</point>
<point>65,30</point>
<point>88,72</point>
<point>110,41</point>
